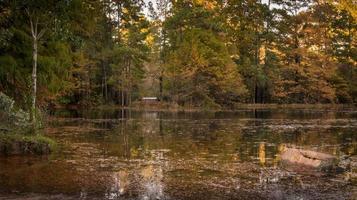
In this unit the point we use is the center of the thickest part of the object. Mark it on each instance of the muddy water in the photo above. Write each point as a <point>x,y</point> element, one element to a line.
<point>202,155</point>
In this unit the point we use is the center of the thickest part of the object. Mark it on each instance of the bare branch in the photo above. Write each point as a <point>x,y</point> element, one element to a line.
<point>32,29</point>
<point>36,25</point>
<point>31,23</point>
<point>28,12</point>
<point>42,32</point>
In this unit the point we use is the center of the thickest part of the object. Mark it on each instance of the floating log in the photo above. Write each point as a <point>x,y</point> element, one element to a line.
<point>308,158</point>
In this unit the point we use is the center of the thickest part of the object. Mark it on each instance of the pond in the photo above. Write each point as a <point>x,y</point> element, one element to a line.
<point>122,154</point>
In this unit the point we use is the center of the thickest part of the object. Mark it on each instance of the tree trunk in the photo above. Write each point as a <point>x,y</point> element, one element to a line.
<point>130,82</point>
<point>104,82</point>
<point>256,93</point>
<point>161,86</point>
<point>34,80</point>
<point>36,36</point>
<point>123,86</point>
<point>122,97</point>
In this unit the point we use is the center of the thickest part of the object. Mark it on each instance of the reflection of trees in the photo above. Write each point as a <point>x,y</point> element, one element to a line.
<point>328,140</point>
<point>120,183</point>
<point>125,139</point>
<point>262,153</point>
<point>145,180</point>
<point>329,136</point>
<point>152,182</point>
<point>228,138</point>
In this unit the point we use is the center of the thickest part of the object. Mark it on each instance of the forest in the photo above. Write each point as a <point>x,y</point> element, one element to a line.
<point>178,99</point>
<point>202,53</point>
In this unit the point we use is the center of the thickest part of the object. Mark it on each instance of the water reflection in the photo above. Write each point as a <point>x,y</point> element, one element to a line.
<point>119,185</point>
<point>146,179</point>
<point>262,153</point>
<point>161,155</point>
<point>153,187</point>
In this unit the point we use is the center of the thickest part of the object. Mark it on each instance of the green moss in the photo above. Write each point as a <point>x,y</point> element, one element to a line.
<point>26,144</point>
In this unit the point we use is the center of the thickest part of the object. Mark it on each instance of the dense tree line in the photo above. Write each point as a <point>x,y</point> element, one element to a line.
<point>280,51</point>
<point>89,52</point>
<point>208,53</point>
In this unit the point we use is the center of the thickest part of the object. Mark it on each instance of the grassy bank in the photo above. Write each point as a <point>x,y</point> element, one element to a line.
<point>18,144</point>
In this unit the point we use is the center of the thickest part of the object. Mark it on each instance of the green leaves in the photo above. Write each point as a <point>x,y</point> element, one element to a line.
<point>205,53</point>
<point>200,70</point>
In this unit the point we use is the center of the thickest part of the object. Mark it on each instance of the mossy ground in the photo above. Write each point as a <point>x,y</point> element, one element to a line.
<point>14,144</point>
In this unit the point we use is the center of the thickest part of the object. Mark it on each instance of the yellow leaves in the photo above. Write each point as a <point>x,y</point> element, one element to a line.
<point>144,30</point>
<point>314,48</point>
<point>262,54</point>
<point>348,5</point>
<point>208,4</point>
<point>150,40</point>
<point>276,51</point>
<point>125,10</point>
<point>308,82</point>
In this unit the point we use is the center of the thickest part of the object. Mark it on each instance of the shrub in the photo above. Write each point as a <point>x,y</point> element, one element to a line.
<point>10,117</point>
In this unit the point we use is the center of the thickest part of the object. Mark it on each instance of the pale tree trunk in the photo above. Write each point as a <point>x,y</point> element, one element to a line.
<point>36,36</point>
<point>34,80</point>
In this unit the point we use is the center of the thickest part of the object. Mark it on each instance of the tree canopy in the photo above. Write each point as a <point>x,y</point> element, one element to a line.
<point>193,52</point>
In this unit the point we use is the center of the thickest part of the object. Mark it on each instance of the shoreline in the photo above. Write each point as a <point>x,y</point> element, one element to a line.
<point>158,107</point>
<point>20,144</point>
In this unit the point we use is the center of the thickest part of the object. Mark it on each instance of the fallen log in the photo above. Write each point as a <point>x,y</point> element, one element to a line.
<point>308,159</point>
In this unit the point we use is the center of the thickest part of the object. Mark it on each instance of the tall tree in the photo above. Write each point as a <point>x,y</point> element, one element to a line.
<point>200,70</point>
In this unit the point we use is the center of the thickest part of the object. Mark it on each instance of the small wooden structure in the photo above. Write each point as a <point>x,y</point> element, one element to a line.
<point>149,99</point>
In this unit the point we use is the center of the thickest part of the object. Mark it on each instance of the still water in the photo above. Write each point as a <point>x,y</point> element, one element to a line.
<point>197,155</point>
